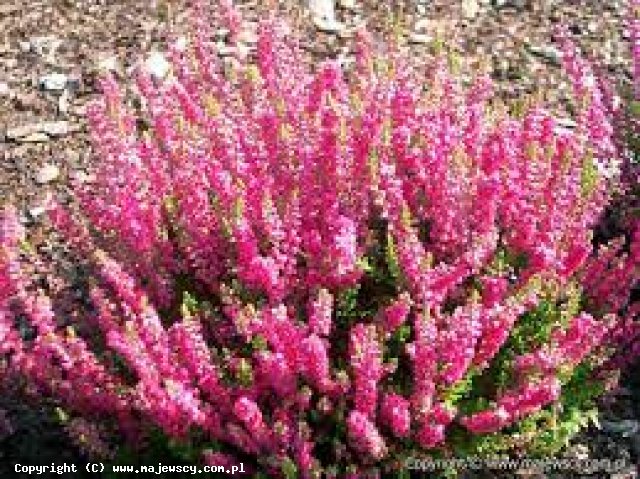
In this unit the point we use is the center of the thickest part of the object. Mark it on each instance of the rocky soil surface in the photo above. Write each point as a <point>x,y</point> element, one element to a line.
<point>51,52</point>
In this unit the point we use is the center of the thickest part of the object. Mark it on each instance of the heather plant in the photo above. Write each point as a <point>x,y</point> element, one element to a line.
<point>610,278</point>
<point>317,270</point>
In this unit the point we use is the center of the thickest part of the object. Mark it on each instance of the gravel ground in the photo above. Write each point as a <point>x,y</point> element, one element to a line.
<point>51,52</point>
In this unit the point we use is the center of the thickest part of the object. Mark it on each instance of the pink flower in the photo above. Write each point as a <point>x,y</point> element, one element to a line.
<point>395,413</point>
<point>320,311</point>
<point>366,360</point>
<point>294,208</point>
<point>396,313</point>
<point>364,436</point>
<point>514,405</point>
<point>315,362</point>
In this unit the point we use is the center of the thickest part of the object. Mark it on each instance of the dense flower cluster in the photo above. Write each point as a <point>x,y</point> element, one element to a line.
<point>610,278</point>
<point>231,225</point>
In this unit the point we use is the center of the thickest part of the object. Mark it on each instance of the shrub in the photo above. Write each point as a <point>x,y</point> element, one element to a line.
<point>611,279</point>
<point>330,270</point>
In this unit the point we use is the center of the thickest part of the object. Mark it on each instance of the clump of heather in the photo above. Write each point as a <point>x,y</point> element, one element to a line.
<point>318,270</point>
<point>610,278</point>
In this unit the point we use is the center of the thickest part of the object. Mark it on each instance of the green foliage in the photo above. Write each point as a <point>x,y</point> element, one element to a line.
<point>158,448</point>
<point>289,469</point>
<point>391,257</point>
<point>589,175</point>
<point>347,306</point>
<point>576,410</point>
<point>545,432</point>
<point>460,390</point>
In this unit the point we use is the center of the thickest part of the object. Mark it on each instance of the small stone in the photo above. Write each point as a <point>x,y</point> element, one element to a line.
<point>347,33</point>
<point>323,10</point>
<point>547,52</point>
<point>109,64</point>
<point>46,46</point>
<point>53,82</point>
<point>517,4</point>
<point>36,212</point>
<point>9,63</point>
<point>421,25</point>
<point>35,132</point>
<point>420,38</point>
<point>470,9</point>
<point>48,173</point>
<point>328,26</point>
<point>43,44</point>
<point>4,89</point>
<point>37,137</point>
<point>55,128</point>
<point>157,65</point>
<point>347,4</point>
<point>8,9</point>
<point>324,16</point>
<point>18,132</point>
<point>626,427</point>
<point>24,46</point>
